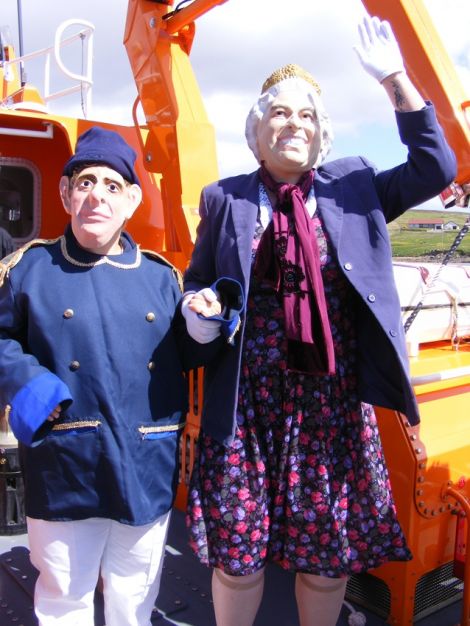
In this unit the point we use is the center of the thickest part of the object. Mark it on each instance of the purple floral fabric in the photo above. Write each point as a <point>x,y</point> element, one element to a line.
<point>304,482</point>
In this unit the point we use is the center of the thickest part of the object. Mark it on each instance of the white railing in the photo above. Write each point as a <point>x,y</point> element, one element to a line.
<point>84,81</point>
<point>458,372</point>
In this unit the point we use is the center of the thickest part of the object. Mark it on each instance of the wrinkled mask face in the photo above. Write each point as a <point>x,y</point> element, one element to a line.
<point>288,137</point>
<point>99,201</point>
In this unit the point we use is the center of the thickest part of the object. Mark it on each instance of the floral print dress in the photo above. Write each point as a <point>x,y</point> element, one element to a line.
<point>304,483</point>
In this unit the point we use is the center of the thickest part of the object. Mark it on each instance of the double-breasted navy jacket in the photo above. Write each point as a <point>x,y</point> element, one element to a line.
<point>98,335</point>
<point>355,202</point>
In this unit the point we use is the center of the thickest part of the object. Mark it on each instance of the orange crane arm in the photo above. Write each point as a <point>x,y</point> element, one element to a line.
<point>180,145</point>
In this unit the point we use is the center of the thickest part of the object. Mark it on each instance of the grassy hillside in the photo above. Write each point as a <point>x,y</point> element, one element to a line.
<point>412,242</point>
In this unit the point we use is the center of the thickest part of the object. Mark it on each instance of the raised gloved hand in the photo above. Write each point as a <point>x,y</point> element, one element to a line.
<point>200,329</point>
<point>378,53</point>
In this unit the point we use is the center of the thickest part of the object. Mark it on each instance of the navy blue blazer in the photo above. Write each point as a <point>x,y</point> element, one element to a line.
<point>355,202</point>
<point>103,337</point>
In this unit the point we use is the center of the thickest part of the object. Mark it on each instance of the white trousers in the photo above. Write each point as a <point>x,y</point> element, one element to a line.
<point>70,556</point>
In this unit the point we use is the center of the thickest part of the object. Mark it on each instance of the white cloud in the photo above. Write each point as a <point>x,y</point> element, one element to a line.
<point>253,38</point>
<point>452,20</point>
<point>237,44</point>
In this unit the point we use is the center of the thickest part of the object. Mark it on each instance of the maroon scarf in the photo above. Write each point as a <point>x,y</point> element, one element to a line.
<point>288,257</point>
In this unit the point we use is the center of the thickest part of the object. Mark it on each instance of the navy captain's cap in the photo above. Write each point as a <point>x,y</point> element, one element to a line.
<point>103,147</point>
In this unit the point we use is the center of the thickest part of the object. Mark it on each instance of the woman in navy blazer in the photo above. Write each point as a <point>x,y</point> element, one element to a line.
<point>290,466</point>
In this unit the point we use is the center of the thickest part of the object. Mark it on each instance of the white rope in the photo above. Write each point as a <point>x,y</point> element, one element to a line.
<point>356,618</point>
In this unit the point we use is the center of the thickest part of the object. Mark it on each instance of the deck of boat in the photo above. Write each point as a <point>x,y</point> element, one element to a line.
<point>185,594</point>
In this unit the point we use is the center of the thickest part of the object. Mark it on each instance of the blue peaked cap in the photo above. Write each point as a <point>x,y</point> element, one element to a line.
<point>103,147</point>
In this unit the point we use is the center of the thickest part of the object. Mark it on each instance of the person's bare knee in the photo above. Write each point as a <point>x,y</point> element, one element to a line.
<point>322,584</point>
<point>239,583</point>
<point>319,599</point>
<point>236,598</point>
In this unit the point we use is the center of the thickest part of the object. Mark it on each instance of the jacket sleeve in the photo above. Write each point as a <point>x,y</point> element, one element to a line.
<point>201,271</point>
<point>428,170</point>
<point>31,390</point>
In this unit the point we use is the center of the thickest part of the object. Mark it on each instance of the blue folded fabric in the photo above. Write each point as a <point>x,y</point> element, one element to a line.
<point>230,293</point>
<point>33,403</point>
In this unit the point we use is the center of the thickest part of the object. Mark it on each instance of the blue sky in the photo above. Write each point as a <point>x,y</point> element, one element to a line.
<point>320,37</point>
<point>237,45</point>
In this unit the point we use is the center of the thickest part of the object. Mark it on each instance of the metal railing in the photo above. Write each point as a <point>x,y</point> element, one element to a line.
<point>458,372</point>
<point>84,81</point>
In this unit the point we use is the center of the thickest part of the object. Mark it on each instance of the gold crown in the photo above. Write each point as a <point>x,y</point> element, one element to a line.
<point>290,71</point>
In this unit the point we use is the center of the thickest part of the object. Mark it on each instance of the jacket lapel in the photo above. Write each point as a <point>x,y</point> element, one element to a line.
<point>329,196</point>
<point>244,211</point>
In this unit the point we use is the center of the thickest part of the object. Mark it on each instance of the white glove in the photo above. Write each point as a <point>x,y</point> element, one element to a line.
<point>378,53</point>
<point>201,330</point>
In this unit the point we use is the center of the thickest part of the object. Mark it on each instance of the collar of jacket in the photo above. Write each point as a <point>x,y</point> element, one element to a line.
<point>129,258</point>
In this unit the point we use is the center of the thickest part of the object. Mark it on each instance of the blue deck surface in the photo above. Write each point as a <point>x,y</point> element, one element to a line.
<point>185,595</point>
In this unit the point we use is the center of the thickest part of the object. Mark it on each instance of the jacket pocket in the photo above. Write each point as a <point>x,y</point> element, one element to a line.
<point>152,431</point>
<point>75,427</point>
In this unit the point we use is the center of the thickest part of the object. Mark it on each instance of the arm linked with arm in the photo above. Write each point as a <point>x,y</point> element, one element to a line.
<point>194,354</point>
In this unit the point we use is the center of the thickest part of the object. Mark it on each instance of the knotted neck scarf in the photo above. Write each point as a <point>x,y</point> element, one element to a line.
<point>289,259</point>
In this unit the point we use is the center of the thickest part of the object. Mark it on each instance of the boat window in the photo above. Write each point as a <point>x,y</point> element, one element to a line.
<point>19,199</point>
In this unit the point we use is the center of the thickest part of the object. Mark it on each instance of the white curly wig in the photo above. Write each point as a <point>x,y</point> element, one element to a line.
<point>290,77</point>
